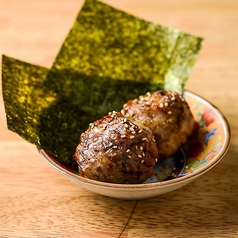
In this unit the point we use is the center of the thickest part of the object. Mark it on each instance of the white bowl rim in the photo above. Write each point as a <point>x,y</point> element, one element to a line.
<point>171,182</point>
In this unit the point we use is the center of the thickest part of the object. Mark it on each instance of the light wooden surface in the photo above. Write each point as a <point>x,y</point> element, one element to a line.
<point>36,201</point>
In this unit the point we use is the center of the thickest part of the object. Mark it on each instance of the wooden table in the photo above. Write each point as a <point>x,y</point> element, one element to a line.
<point>36,201</point>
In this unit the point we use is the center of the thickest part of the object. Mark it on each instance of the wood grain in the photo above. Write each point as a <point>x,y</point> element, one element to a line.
<point>36,201</point>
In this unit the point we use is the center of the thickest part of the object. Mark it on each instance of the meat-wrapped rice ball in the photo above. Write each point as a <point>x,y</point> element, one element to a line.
<point>167,114</point>
<point>117,149</point>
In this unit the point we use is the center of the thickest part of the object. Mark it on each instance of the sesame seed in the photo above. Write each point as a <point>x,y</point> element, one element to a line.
<point>125,120</point>
<point>131,137</point>
<point>133,132</point>
<point>142,161</point>
<point>126,126</point>
<point>143,154</point>
<point>182,99</point>
<point>139,156</point>
<point>110,144</point>
<point>161,105</point>
<point>156,159</point>
<point>169,112</point>
<point>129,156</point>
<point>144,139</point>
<point>173,98</point>
<point>128,150</point>
<point>115,147</point>
<point>166,104</point>
<point>91,125</point>
<point>123,136</point>
<point>139,131</point>
<point>141,148</point>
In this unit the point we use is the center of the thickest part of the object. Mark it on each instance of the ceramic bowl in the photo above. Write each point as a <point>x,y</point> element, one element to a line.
<point>203,150</point>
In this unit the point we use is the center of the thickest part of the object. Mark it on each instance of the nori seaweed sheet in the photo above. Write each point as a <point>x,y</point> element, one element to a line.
<point>106,43</point>
<point>38,114</point>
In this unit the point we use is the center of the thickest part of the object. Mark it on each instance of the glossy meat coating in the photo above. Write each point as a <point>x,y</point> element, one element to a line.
<point>167,114</point>
<point>117,149</point>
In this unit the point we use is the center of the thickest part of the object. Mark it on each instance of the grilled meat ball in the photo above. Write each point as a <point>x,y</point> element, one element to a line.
<point>167,114</point>
<point>117,149</point>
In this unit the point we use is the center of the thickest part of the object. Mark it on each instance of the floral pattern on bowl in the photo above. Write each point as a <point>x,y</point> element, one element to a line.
<point>208,137</point>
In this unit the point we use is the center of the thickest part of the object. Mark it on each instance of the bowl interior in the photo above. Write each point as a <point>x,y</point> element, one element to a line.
<point>203,150</point>
<point>211,138</point>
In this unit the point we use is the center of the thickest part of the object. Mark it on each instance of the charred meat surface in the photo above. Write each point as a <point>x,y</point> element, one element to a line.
<point>117,149</point>
<point>167,114</point>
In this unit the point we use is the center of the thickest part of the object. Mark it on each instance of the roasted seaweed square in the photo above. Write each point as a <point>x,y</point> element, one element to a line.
<point>107,46</point>
<point>38,114</point>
